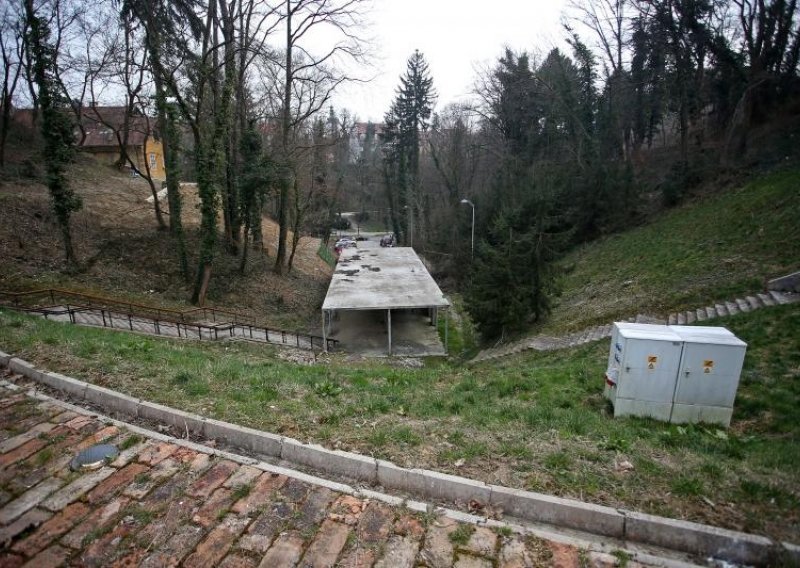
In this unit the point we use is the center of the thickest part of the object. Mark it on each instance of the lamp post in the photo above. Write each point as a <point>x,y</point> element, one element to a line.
<point>466,201</point>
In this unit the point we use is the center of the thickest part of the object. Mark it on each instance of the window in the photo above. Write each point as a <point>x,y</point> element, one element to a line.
<point>153,162</point>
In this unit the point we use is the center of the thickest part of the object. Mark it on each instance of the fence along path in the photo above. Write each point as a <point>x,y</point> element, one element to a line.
<point>205,324</point>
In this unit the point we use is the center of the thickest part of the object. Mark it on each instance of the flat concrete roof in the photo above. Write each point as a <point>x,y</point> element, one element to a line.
<point>381,279</point>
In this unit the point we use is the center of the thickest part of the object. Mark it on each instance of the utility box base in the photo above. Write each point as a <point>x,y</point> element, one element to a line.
<point>689,413</point>
<point>674,373</point>
<point>643,408</point>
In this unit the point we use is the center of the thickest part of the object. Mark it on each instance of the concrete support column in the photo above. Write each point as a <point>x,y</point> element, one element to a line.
<point>446,331</point>
<point>324,334</point>
<point>389,328</point>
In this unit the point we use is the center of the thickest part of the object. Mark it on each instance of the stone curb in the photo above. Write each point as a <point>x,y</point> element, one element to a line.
<point>630,526</point>
<point>561,512</point>
<point>695,538</point>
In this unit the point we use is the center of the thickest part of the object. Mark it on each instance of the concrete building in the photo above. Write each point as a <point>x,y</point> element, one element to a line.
<point>384,301</point>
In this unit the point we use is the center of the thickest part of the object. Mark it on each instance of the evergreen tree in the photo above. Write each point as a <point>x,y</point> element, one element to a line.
<point>406,121</point>
<point>513,275</point>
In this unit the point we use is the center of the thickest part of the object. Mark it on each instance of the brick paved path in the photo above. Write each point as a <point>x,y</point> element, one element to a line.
<point>163,504</point>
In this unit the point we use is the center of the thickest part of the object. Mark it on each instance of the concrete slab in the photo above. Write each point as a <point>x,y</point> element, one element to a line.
<point>382,278</point>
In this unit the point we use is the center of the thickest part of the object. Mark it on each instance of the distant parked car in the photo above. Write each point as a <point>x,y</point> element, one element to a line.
<point>387,241</point>
<point>343,243</point>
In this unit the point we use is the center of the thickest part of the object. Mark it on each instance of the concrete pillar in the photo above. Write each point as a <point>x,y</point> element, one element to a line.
<point>446,331</point>
<point>389,327</point>
<point>324,334</point>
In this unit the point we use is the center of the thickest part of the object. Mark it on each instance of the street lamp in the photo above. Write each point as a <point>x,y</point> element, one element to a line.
<point>466,201</point>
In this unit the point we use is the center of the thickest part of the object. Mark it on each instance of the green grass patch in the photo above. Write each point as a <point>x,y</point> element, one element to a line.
<point>461,535</point>
<point>457,330</point>
<point>325,254</point>
<point>535,420</point>
<point>129,442</point>
<point>714,248</point>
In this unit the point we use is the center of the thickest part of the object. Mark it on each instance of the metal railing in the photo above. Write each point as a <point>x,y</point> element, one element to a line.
<point>155,320</point>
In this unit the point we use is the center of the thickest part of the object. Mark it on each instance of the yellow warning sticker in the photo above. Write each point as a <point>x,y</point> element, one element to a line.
<point>652,361</point>
<point>708,365</point>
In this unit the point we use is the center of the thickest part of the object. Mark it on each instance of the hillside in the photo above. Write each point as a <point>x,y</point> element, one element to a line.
<point>710,248</point>
<point>535,421</point>
<point>124,253</point>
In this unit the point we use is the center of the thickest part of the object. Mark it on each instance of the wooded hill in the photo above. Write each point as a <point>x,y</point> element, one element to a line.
<point>650,101</point>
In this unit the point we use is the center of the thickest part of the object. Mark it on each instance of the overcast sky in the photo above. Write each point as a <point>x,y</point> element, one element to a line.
<point>457,37</point>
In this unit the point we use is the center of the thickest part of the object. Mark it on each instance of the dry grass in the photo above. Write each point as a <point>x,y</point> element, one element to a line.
<point>124,254</point>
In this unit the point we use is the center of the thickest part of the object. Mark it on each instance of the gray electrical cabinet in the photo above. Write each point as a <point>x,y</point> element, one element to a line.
<point>674,373</point>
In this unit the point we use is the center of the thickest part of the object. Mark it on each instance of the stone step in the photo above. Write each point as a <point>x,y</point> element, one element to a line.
<point>595,333</point>
<point>754,302</point>
<point>767,299</point>
<point>779,298</point>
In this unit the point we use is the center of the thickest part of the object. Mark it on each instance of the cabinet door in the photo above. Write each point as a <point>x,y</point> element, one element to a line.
<point>649,370</point>
<point>709,374</point>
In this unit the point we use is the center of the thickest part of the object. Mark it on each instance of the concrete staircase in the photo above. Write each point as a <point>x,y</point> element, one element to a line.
<point>551,343</point>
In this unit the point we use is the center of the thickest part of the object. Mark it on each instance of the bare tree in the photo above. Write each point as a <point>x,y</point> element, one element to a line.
<point>309,80</point>
<point>608,22</point>
<point>57,129</point>
<point>12,40</point>
<point>123,66</point>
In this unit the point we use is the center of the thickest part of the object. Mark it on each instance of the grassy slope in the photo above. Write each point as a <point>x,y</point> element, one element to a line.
<point>535,421</point>
<point>711,249</point>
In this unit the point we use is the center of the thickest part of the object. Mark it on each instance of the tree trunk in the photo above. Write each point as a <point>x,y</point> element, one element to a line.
<point>169,139</point>
<point>245,248</point>
<point>285,182</point>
